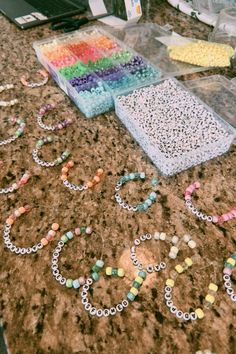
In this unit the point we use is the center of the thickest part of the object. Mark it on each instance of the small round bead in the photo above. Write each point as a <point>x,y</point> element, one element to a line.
<point>77,231</point>
<point>22,210</point>
<point>55,226</point>
<point>89,184</point>
<point>96,179</point>
<point>99,172</point>
<point>81,280</point>
<point>69,283</point>
<point>70,163</point>
<point>88,230</point>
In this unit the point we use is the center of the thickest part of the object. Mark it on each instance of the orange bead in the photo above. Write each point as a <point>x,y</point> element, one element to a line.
<point>22,210</point>
<point>63,177</point>
<point>90,184</point>
<point>27,207</point>
<point>64,170</point>
<point>44,241</point>
<point>96,179</point>
<point>70,163</point>
<point>55,226</point>
<point>9,221</point>
<point>99,172</point>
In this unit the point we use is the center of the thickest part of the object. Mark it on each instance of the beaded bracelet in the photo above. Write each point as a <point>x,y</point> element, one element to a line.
<point>7,103</point>
<point>209,298</point>
<point>141,206</point>
<point>24,179</point>
<point>56,162</point>
<point>60,125</point>
<point>17,133</point>
<point>25,250</point>
<point>217,219</point>
<point>228,268</point>
<point>163,237</point>
<point>116,308</point>
<point>64,177</point>
<point>69,283</point>
<point>43,73</point>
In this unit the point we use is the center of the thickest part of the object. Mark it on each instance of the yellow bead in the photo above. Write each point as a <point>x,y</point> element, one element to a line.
<point>210,298</point>
<point>179,268</point>
<point>199,313</point>
<point>231,261</point>
<point>139,280</point>
<point>188,261</point>
<point>170,282</point>
<point>121,272</point>
<point>213,287</point>
<point>134,291</point>
<point>108,270</point>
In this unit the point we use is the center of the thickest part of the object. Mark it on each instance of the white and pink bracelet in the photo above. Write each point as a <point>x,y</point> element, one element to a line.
<point>217,219</point>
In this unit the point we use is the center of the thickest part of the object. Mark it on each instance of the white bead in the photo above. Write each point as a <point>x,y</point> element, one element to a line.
<point>186,238</point>
<point>175,240</point>
<point>192,244</point>
<point>156,235</point>
<point>172,255</point>
<point>162,236</point>
<point>174,249</point>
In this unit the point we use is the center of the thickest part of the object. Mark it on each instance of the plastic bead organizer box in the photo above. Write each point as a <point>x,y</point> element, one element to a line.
<point>95,69</point>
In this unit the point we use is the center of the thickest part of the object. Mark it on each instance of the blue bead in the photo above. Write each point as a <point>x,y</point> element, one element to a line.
<point>148,202</point>
<point>69,235</point>
<point>145,206</point>
<point>76,284</point>
<point>95,276</point>
<point>153,196</point>
<point>99,263</point>
<point>132,176</point>
<point>142,274</point>
<point>154,182</point>
<point>130,296</point>
<point>140,207</point>
<point>233,256</point>
<point>142,175</point>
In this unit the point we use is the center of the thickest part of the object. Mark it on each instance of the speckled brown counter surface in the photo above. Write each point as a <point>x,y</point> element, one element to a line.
<point>39,315</point>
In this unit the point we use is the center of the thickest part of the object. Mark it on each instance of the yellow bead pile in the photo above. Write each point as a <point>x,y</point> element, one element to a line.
<point>202,53</point>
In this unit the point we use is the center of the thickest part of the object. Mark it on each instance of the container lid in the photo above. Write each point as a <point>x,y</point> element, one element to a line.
<point>148,40</point>
<point>219,93</point>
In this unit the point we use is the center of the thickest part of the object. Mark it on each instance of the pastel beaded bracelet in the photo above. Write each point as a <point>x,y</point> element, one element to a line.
<point>69,235</point>
<point>25,250</point>
<point>175,240</point>
<point>217,219</point>
<point>141,206</point>
<point>7,103</point>
<point>56,162</point>
<point>60,125</point>
<point>228,268</point>
<point>18,132</point>
<point>208,301</point>
<point>64,177</point>
<point>26,82</point>
<point>131,295</point>
<point>24,179</point>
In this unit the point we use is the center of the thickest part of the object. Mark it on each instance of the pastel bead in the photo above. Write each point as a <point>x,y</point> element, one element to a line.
<point>134,291</point>
<point>156,235</point>
<point>90,184</point>
<point>70,163</point>
<point>170,282</point>
<point>108,270</point>
<point>81,280</point>
<point>215,219</point>
<point>55,226</point>
<point>210,298</point>
<point>231,261</point>
<point>51,233</point>
<point>76,284</point>
<point>213,287</point>
<point>142,175</point>
<point>130,296</point>
<point>44,241</point>
<point>162,236</point>
<point>9,221</point>
<point>22,210</point>
<point>139,280</point>
<point>69,283</point>
<point>192,244</point>
<point>95,276</point>
<point>142,274</point>
<point>174,249</point>
<point>64,238</point>
<point>227,271</point>
<point>199,313</point>
<point>77,231</point>
<point>96,179</point>
<point>175,240</point>
<point>69,235</point>
<point>179,268</point>
<point>88,230</point>
<point>186,238</point>
<point>99,172</point>
<point>99,263</point>
<point>64,170</point>
<point>188,261</point>
<point>121,272</point>
<point>197,185</point>
<point>172,255</point>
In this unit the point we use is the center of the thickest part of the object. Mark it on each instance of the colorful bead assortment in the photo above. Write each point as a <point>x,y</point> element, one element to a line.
<point>228,268</point>
<point>202,53</point>
<point>25,250</point>
<point>24,179</point>
<point>43,73</point>
<point>95,64</point>
<point>141,206</point>
<point>217,219</point>
<point>19,132</point>
<point>69,235</point>
<point>193,315</point>
<point>58,126</point>
<point>42,163</point>
<point>64,177</point>
<point>7,103</point>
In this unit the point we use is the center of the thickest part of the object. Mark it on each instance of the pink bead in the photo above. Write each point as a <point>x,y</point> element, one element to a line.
<point>215,219</point>
<point>69,121</point>
<point>227,271</point>
<point>77,231</point>
<point>189,190</point>
<point>225,217</point>
<point>197,185</point>
<point>187,197</point>
<point>60,126</point>
<point>233,212</point>
<point>187,193</point>
<point>51,233</point>
<point>81,280</point>
<point>14,186</point>
<point>89,230</point>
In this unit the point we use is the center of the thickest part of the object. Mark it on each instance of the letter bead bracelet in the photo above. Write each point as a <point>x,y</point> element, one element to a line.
<point>25,250</point>
<point>217,219</point>
<point>26,82</point>
<point>131,295</point>
<point>228,268</point>
<point>60,125</point>
<point>141,206</point>
<point>64,177</point>
<point>56,162</point>
<point>208,301</point>
<point>7,103</point>
<point>24,179</point>
<point>18,132</point>
<point>162,237</point>
<point>68,282</point>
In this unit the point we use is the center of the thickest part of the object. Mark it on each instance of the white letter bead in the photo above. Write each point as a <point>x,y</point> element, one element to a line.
<point>186,238</point>
<point>175,240</point>
<point>174,249</point>
<point>156,235</point>
<point>172,255</point>
<point>162,236</point>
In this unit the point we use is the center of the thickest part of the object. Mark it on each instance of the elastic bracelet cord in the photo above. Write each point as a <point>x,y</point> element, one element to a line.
<point>11,102</point>
<point>27,83</point>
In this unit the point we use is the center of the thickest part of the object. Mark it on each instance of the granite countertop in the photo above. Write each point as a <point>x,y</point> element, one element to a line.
<point>38,314</point>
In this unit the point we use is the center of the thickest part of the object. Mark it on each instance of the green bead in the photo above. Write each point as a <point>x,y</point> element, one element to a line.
<point>64,238</point>
<point>69,235</point>
<point>95,276</point>
<point>66,153</point>
<point>69,283</point>
<point>96,269</point>
<point>136,285</point>
<point>140,207</point>
<point>142,274</point>
<point>50,139</point>
<point>145,206</point>
<point>228,265</point>
<point>18,133</point>
<point>130,296</point>
<point>132,176</point>
<point>40,143</point>
<point>233,256</point>
<point>114,271</point>
<point>154,182</point>
<point>82,229</point>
